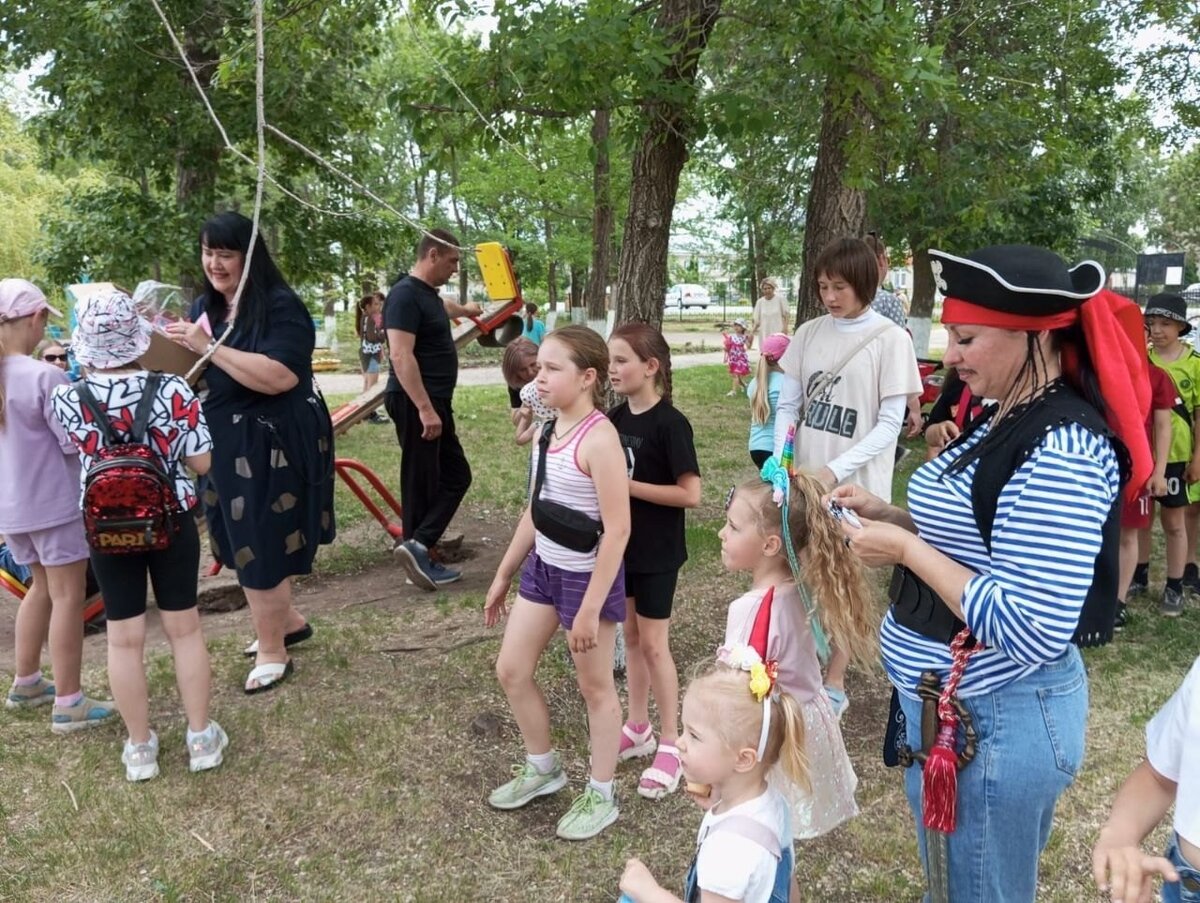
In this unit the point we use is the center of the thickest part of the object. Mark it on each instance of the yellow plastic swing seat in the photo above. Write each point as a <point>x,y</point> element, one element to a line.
<point>497,272</point>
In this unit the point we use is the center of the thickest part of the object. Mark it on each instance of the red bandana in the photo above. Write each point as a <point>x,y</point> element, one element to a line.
<point>1115,335</point>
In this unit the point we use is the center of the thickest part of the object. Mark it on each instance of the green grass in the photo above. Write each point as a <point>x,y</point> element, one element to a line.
<point>366,777</point>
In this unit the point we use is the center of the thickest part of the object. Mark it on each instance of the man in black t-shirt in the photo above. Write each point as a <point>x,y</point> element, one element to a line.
<point>434,473</point>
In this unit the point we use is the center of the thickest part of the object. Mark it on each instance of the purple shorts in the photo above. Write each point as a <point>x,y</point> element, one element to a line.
<point>52,547</point>
<point>549,585</point>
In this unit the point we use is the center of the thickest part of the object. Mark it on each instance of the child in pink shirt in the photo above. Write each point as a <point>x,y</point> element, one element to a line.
<point>40,518</point>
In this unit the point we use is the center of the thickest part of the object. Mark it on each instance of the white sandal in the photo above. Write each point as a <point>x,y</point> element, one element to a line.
<point>666,783</point>
<point>268,676</point>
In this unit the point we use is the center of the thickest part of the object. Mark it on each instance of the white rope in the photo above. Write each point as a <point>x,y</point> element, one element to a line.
<point>284,136</point>
<point>229,146</point>
<point>260,115</point>
<point>489,124</point>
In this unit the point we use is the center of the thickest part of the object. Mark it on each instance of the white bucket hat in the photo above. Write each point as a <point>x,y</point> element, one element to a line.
<point>110,332</point>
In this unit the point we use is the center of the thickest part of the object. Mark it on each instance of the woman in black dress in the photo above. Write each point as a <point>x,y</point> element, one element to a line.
<point>269,496</point>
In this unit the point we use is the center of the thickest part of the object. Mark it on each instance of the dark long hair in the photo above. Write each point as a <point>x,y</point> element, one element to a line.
<point>648,343</point>
<point>231,231</point>
<point>1068,340</point>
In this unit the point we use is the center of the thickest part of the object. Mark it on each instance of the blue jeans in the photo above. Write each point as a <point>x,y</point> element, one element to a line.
<point>779,893</point>
<point>1187,889</point>
<point>1031,736</point>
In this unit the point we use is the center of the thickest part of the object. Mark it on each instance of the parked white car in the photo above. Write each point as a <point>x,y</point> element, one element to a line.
<point>687,294</point>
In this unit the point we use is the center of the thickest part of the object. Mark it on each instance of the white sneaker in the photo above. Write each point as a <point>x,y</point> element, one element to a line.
<point>205,750</point>
<point>141,759</point>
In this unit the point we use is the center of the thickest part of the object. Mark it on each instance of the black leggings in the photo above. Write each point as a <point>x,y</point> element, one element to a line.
<point>173,572</point>
<point>759,457</point>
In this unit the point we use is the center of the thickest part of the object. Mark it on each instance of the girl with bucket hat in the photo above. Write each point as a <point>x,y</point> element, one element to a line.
<point>40,518</point>
<point>1166,324</point>
<point>160,412</point>
<point>1006,561</point>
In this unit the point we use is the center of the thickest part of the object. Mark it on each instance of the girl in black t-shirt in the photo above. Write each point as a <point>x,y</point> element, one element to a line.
<point>664,478</point>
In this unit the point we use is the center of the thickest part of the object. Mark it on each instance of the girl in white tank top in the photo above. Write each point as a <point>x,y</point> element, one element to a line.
<point>582,591</point>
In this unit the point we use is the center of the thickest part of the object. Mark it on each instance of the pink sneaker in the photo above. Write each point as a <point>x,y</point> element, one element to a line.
<point>663,776</point>
<point>635,745</point>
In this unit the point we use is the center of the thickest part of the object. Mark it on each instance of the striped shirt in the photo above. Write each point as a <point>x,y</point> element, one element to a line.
<point>567,484</point>
<point>1023,604</point>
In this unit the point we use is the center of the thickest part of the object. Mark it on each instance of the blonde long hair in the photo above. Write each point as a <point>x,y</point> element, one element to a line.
<point>835,577</point>
<point>760,402</point>
<point>738,716</point>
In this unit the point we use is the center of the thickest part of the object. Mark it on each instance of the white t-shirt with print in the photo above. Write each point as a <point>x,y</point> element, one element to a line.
<point>176,430</point>
<point>735,866</point>
<point>843,414</point>
<point>1173,748</point>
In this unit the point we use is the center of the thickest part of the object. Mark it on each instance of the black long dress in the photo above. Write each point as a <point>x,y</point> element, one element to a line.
<point>268,498</point>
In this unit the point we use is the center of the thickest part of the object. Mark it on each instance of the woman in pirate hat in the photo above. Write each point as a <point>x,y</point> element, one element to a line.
<point>1006,560</point>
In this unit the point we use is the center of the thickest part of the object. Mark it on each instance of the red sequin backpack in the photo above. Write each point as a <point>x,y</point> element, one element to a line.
<point>128,499</point>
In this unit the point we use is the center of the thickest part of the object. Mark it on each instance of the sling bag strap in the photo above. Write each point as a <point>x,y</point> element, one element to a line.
<point>544,449</point>
<point>826,379</point>
<point>141,417</point>
<point>749,828</point>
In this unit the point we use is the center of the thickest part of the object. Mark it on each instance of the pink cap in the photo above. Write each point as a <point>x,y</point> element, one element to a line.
<point>20,298</point>
<point>775,345</point>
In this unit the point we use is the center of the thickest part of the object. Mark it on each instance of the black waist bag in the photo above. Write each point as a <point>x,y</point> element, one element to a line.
<point>569,528</point>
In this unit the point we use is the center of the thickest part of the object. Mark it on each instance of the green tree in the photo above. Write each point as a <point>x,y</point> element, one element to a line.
<point>120,99</point>
<point>1020,135</point>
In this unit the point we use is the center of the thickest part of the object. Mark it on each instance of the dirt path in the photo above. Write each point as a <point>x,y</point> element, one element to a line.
<point>222,603</point>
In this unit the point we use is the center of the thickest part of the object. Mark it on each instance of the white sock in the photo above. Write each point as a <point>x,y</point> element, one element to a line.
<point>544,763</point>
<point>192,735</point>
<point>604,788</point>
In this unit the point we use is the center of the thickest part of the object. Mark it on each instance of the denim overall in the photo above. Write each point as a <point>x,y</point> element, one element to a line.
<point>755,831</point>
<point>1187,889</point>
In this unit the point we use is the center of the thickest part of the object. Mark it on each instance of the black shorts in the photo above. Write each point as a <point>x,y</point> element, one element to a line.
<point>173,572</point>
<point>1177,487</point>
<point>759,457</point>
<point>652,594</point>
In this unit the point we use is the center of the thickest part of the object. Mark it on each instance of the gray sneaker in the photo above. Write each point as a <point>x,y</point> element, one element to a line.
<point>40,693</point>
<point>205,749</point>
<point>590,814</point>
<point>141,759</point>
<point>1172,604</point>
<point>88,712</point>
<point>421,570</point>
<point>527,784</point>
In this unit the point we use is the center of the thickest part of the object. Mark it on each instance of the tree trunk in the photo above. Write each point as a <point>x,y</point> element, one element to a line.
<point>576,299</point>
<point>834,209</point>
<point>196,166</point>
<point>595,295</point>
<point>920,314</point>
<point>752,248</point>
<point>551,266</point>
<point>657,163</point>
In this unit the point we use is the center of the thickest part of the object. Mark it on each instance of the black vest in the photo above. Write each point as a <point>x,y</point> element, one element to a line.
<point>917,607</point>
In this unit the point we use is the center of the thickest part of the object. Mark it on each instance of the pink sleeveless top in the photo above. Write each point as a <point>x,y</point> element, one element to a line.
<point>568,485</point>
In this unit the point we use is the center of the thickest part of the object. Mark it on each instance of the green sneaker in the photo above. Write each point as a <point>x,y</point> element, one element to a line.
<point>527,784</point>
<point>588,816</point>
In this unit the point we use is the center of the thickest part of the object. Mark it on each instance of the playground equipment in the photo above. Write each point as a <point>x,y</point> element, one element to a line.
<point>15,579</point>
<point>498,325</point>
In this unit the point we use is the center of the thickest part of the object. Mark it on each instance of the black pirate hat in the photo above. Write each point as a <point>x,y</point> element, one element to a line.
<point>1016,279</point>
<point>1173,307</point>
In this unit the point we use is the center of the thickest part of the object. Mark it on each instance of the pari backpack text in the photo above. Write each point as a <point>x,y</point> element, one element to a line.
<point>129,501</point>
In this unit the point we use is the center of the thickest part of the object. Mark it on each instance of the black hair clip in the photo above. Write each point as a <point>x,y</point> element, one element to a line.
<point>729,497</point>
